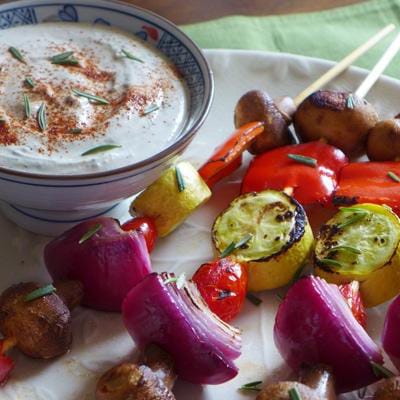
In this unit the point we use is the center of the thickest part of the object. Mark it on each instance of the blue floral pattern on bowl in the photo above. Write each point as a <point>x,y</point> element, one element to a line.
<point>97,12</point>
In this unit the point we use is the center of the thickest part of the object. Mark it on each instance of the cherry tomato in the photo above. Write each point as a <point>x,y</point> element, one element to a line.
<point>146,226</point>
<point>351,293</point>
<point>223,285</point>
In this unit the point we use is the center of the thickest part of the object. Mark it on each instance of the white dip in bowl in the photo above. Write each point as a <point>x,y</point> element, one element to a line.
<point>51,124</point>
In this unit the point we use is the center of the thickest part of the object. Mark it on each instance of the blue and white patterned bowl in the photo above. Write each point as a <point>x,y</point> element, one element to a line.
<point>48,204</point>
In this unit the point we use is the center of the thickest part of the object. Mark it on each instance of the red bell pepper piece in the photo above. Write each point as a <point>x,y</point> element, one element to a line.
<point>6,363</point>
<point>369,182</point>
<point>351,293</point>
<point>308,184</point>
<point>228,157</point>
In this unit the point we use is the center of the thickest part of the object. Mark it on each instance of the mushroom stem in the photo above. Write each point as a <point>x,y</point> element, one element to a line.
<point>320,379</point>
<point>70,292</point>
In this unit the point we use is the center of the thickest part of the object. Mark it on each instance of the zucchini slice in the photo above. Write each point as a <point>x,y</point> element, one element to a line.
<point>172,197</point>
<point>274,234</point>
<point>361,243</point>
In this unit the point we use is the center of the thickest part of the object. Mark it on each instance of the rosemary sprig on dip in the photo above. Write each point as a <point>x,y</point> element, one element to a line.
<point>100,149</point>
<point>41,117</point>
<point>129,55</point>
<point>393,176</point>
<point>253,299</point>
<point>16,54</point>
<point>179,179</point>
<point>29,82</point>
<point>150,109</point>
<point>66,58</point>
<point>233,246</point>
<point>254,386</point>
<point>40,292</point>
<point>90,233</point>
<point>312,162</point>
<point>91,97</point>
<point>27,106</point>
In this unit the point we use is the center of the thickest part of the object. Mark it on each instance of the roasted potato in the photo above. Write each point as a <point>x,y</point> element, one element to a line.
<point>256,105</point>
<point>384,141</point>
<point>340,118</point>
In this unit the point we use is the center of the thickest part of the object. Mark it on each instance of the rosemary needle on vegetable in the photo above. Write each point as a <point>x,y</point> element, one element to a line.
<point>179,179</point>
<point>312,162</point>
<point>251,386</point>
<point>393,176</point>
<point>40,292</point>
<point>91,232</point>
<point>233,246</point>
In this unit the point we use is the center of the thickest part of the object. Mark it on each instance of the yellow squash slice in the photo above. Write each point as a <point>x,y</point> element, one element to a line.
<point>267,231</point>
<point>172,197</point>
<point>361,243</point>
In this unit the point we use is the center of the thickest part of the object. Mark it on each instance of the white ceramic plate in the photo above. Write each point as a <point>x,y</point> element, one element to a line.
<point>100,340</point>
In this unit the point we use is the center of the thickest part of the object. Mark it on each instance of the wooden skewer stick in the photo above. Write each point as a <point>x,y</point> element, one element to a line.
<point>343,64</point>
<point>380,66</point>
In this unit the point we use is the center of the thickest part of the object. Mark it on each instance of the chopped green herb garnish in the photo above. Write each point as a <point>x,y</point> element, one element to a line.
<point>90,233</point>
<point>91,97</point>
<point>294,394</point>
<point>349,249</point>
<point>358,216</point>
<point>151,109</point>
<point>16,54</point>
<point>380,371</point>
<point>179,179</point>
<point>312,162</point>
<point>393,176</point>
<point>129,55</point>
<point>179,280</point>
<point>66,58</point>
<point>234,246</point>
<point>27,106</point>
<point>251,386</point>
<point>75,130</point>
<point>100,149</point>
<point>253,299</point>
<point>350,101</point>
<point>40,292</point>
<point>41,117</point>
<point>330,262</point>
<point>354,210</point>
<point>29,82</point>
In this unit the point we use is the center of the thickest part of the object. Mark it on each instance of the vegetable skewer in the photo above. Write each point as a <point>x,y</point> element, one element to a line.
<point>340,118</point>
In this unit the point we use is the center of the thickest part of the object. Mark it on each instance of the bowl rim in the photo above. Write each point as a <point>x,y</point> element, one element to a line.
<point>171,150</point>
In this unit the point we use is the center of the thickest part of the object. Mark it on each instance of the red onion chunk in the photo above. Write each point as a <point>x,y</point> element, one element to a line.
<point>109,263</point>
<point>315,325</point>
<point>391,332</point>
<point>202,346</point>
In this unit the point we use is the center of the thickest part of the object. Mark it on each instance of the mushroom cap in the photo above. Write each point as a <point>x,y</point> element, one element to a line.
<point>384,141</point>
<point>257,105</point>
<point>389,389</point>
<point>280,391</point>
<point>340,118</point>
<point>41,327</point>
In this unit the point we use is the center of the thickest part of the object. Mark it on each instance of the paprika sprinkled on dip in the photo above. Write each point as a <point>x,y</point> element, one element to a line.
<point>77,98</point>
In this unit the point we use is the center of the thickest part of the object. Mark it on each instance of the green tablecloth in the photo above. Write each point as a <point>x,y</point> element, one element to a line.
<point>328,34</point>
